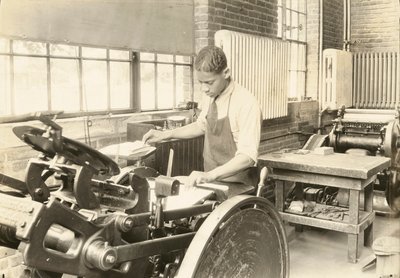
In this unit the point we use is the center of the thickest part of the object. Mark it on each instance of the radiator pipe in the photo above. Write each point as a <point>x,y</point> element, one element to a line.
<point>321,23</point>
<point>345,39</point>
<point>348,10</point>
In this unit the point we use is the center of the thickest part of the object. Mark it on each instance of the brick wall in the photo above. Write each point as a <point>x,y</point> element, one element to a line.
<point>258,17</point>
<point>375,25</point>
<point>282,133</point>
<point>333,24</point>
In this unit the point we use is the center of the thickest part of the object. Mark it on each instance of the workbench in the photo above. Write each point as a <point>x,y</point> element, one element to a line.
<point>355,173</point>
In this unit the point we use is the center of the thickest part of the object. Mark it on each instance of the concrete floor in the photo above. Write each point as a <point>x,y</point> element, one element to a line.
<point>323,254</point>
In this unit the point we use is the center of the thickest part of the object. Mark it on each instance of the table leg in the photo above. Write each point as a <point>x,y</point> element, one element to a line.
<point>279,195</point>
<point>368,206</point>
<point>353,250</point>
<point>353,239</point>
<point>299,192</point>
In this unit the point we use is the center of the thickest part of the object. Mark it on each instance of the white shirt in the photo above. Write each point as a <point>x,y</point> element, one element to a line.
<point>244,117</point>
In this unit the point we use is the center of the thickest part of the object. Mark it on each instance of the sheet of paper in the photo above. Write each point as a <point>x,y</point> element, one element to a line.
<point>128,149</point>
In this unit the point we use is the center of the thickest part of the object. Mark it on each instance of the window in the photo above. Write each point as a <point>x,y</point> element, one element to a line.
<point>292,27</point>
<point>166,80</point>
<point>37,76</point>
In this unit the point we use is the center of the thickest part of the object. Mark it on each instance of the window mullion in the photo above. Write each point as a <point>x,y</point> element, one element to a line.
<point>12,88</point>
<point>80,75</point>
<point>174,83</point>
<point>48,77</point>
<point>135,81</point>
<point>108,81</point>
<point>192,79</point>
<point>156,84</point>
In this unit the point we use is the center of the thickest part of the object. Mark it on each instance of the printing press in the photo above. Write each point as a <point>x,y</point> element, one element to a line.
<point>78,213</point>
<point>366,132</point>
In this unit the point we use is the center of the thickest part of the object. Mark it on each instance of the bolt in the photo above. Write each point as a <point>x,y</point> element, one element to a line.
<point>22,224</point>
<point>30,210</point>
<point>128,223</point>
<point>110,259</point>
<point>39,191</point>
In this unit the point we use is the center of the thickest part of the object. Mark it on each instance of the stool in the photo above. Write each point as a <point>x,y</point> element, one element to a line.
<point>387,251</point>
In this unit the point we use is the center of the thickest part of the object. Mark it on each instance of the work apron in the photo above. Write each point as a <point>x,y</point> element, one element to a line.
<point>220,147</point>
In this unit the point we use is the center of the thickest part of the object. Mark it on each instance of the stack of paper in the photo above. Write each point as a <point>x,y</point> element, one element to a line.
<point>128,150</point>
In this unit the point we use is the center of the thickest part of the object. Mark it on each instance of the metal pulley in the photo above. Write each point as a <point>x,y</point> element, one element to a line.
<point>391,143</point>
<point>243,237</point>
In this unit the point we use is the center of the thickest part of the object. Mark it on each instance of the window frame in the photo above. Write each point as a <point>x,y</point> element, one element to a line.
<point>282,32</point>
<point>134,79</point>
<point>174,64</point>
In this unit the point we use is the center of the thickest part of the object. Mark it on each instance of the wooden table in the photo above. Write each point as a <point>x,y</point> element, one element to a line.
<point>356,173</point>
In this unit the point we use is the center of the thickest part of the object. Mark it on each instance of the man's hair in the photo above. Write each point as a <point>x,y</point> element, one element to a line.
<point>210,59</point>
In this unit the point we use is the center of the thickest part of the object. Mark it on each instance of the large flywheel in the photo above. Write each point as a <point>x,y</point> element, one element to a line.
<point>243,237</point>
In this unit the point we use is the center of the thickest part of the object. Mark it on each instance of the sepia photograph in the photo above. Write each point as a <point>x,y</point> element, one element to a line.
<point>199,138</point>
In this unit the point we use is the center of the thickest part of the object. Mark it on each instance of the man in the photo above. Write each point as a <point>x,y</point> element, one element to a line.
<point>230,122</point>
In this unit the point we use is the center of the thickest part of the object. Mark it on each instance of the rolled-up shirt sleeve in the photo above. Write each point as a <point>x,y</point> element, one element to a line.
<point>249,125</point>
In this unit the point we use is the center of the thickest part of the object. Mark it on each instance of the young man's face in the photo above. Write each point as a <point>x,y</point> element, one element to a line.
<point>211,83</point>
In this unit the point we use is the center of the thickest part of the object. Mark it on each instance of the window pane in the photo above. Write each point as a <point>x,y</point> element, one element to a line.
<point>302,27</point>
<point>94,85</point>
<point>183,84</point>
<point>65,85</point>
<point>165,58</point>
<point>4,45</point>
<point>5,92</point>
<point>119,54</point>
<point>64,50</point>
<point>294,5</point>
<point>28,47</point>
<point>120,85</point>
<point>90,52</point>
<point>147,89</point>
<point>302,6</point>
<point>30,84</point>
<point>288,24</point>
<point>295,26</point>
<point>182,59</point>
<point>165,89</point>
<point>146,56</point>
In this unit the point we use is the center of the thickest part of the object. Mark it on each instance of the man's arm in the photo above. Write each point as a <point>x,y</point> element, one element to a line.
<point>185,132</point>
<point>237,164</point>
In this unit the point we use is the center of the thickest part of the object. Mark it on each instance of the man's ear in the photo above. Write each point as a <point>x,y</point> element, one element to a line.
<point>227,73</point>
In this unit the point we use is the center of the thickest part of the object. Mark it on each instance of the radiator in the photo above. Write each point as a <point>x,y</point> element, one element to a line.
<point>376,80</point>
<point>188,153</point>
<point>336,79</point>
<point>188,156</point>
<point>261,65</point>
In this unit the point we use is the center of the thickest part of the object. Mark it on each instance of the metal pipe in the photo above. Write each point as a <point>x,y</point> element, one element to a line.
<point>321,24</point>
<point>345,39</point>
<point>348,23</point>
<point>345,142</point>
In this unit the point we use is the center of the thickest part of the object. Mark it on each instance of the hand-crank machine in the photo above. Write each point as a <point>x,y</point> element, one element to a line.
<point>78,213</point>
<point>368,132</point>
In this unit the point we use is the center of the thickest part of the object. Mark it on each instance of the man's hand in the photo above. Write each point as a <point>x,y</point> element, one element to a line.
<point>197,177</point>
<point>154,136</point>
